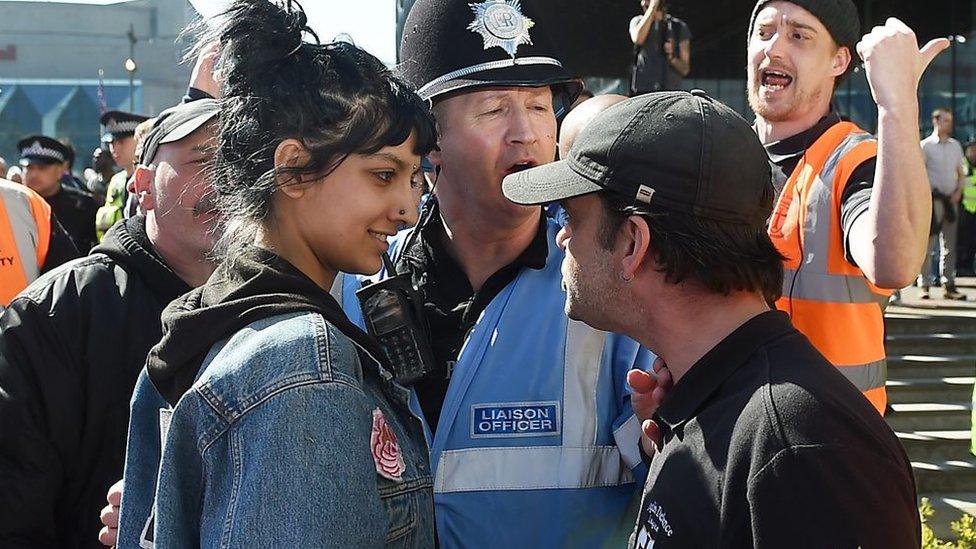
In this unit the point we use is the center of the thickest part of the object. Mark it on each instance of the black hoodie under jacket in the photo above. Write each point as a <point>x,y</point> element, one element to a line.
<point>254,285</point>
<point>71,348</point>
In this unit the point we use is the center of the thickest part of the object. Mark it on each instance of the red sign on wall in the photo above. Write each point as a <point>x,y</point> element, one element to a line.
<point>8,53</point>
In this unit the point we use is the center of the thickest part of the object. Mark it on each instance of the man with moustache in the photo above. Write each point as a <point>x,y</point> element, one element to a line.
<point>852,216</point>
<point>533,440</point>
<point>764,443</point>
<point>73,343</point>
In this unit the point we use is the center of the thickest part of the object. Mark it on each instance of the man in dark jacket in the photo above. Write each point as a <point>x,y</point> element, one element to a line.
<point>73,343</point>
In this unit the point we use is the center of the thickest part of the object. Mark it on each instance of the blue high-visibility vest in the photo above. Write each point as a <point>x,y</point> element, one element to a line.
<point>537,444</point>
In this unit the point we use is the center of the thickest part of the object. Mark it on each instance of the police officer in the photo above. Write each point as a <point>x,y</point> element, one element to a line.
<point>534,440</point>
<point>42,159</point>
<point>967,217</point>
<point>120,128</point>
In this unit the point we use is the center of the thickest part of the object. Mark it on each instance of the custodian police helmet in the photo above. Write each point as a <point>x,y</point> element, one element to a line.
<point>120,124</point>
<point>452,45</point>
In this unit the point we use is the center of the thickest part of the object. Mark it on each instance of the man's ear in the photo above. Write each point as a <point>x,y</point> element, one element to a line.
<point>142,186</point>
<point>637,239</point>
<point>842,59</point>
<point>290,153</point>
<point>435,157</point>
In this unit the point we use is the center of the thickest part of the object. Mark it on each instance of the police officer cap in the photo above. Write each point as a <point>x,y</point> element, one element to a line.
<point>41,149</point>
<point>119,124</point>
<point>451,45</point>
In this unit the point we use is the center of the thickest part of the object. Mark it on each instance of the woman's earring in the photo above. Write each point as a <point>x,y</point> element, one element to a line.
<point>626,279</point>
<point>403,212</point>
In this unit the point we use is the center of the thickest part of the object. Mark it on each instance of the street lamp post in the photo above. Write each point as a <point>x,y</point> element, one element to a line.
<point>956,39</point>
<point>130,67</point>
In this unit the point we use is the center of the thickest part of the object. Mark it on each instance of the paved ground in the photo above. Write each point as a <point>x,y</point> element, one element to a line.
<point>911,304</point>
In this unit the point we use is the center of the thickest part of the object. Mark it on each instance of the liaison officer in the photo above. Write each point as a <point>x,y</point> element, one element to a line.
<point>534,442</point>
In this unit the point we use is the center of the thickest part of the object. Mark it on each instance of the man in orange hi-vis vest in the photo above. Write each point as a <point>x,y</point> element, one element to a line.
<point>32,241</point>
<point>852,217</point>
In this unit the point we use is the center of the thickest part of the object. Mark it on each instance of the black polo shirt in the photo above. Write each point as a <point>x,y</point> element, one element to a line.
<point>768,445</point>
<point>785,154</point>
<point>452,306</point>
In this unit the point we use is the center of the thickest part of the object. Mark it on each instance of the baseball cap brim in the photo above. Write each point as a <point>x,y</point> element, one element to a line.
<point>547,183</point>
<point>187,127</point>
<point>177,123</point>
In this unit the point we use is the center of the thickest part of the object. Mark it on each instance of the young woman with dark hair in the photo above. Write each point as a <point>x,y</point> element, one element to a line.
<point>284,427</point>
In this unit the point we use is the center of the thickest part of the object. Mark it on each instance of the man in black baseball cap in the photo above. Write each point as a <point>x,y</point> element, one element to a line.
<point>42,159</point>
<point>73,344</point>
<point>865,202</point>
<point>541,401</point>
<point>762,441</point>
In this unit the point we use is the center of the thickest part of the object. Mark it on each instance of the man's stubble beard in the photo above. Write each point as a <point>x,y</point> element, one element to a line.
<point>785,112</point>
<point>592,298</point>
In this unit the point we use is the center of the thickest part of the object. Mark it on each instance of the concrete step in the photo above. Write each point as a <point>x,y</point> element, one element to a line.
<point>914,365</point>
<point>939,343</point>
<point>940,416</point>
<point>952,475</point>
<point>924,445</point>
<point>949,506</point>
<point>930,389</point>
<point>928,324</point>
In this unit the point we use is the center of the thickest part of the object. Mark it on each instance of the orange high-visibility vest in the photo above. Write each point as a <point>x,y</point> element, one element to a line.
<point>829,299</point>
<point>25,235</point>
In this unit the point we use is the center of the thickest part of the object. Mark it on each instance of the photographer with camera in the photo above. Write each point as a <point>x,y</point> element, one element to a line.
<point>662,49</point>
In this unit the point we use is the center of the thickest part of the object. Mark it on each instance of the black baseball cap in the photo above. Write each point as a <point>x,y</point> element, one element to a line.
<point>682,151</point>
<point>175,123</point>
<point>452,46</point>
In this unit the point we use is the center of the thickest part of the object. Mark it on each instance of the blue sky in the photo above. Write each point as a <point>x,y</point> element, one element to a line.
<point>370,23</point>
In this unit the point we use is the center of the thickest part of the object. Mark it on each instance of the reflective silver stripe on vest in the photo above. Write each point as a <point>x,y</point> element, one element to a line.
<point>829,287</point>
<point>867,376</point>
<point>577,463</point>
<point>628,437</point>
<point>584,351</point>
<point>25,230</point>
<point>814,282</point>
<point>530,468</point>
<point>337,284</point>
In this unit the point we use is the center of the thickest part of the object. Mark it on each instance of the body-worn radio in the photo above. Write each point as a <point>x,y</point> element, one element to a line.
<point>393,311</point>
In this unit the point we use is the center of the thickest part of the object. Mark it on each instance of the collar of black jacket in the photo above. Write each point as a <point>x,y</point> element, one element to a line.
<point>707,375</point>
<point>128,244</point>
<point>253,285</point>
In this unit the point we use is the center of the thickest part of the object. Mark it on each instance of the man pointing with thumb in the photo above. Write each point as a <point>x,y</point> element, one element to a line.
<point>852,216</point>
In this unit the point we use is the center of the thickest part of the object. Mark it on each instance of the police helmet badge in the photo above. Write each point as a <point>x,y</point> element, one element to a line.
<point>501,24</point>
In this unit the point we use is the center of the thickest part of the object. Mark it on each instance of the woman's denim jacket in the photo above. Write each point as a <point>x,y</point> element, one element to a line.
<point>271,447</point>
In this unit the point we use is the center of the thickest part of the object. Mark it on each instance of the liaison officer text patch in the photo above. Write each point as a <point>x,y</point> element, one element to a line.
<point>515,419</point>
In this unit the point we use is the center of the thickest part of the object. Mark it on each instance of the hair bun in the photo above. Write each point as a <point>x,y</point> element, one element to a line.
<point>254,34</point>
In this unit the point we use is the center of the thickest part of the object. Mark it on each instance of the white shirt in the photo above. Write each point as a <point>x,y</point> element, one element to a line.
<point>943,160</point>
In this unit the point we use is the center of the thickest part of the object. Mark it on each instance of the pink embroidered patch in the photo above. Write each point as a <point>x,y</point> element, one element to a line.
<point>386,449</point>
